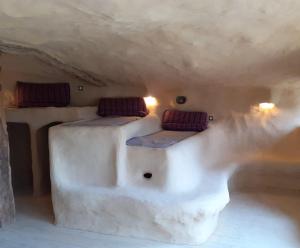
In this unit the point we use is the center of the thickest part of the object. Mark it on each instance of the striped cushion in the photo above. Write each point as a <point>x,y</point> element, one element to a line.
<point>127,106</point>
<point>43,94</point>
<point>176,120</point>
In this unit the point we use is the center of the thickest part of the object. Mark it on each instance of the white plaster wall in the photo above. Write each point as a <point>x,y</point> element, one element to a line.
<point>218,100</point>
<point>287,95</point>
<point>31,69</point>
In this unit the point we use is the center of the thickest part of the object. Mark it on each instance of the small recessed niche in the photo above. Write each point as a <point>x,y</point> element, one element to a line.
<point>148,175</point>
<point>181,99</point>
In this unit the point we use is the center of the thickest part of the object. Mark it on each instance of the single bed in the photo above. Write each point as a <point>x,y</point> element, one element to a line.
<point>91,152</point>
<point>169,159</point>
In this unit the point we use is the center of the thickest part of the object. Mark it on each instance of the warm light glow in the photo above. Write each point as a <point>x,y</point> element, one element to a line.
<point>150,101</point>
<point>266,106</point>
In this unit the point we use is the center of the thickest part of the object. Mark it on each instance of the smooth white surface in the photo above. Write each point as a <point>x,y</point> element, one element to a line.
<point>82,153</point>
<point>251,220</point>
<point>176,169</point>
<point>98,184</point>
<point>181,202</point>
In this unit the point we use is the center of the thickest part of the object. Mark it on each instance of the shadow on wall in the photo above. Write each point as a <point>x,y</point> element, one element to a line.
<point>20,155</point>
<point>20,159</point>
<point>43,155</point>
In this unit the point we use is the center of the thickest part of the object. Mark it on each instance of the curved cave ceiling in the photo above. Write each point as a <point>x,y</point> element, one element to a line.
<point>170,42</point>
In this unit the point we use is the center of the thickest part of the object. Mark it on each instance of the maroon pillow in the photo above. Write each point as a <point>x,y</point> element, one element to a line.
<point>176,120</point>
<point>127,106</point>
<point>43,94</point>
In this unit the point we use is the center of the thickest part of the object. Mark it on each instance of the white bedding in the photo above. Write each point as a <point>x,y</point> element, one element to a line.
<point>105,121</point>
<point>161,139</point>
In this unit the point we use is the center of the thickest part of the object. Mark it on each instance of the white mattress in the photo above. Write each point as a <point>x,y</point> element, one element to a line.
<point>160,139</point>
<point>106,121</point>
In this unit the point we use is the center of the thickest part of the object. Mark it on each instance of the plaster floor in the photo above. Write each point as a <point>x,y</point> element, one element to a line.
<point>251,219</point>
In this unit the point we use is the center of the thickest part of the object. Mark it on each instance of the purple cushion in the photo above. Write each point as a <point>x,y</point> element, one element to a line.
<point>43,94</point>
<point>127,106</point>
<point>176,120</point>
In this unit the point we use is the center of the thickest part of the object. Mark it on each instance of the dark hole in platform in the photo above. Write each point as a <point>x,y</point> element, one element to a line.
<point>147,175</point>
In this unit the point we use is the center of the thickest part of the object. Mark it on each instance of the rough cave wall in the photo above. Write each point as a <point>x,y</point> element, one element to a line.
<point>140,41</point>
<point>7,209</point>
<point>206,50</point>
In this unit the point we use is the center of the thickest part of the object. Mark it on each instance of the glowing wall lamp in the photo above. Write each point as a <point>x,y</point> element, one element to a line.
<point>151,103</point>
<point>266,106</point>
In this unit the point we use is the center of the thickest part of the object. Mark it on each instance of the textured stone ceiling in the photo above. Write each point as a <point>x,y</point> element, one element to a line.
<point>169,41</point>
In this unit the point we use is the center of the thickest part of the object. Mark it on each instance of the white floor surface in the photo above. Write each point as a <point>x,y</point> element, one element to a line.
<point>251,220</point>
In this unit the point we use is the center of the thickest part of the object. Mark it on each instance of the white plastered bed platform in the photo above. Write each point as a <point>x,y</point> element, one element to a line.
<point>101,184</point>
<point>91,152</point>
<point>172,159</point>
<point>138,212</point>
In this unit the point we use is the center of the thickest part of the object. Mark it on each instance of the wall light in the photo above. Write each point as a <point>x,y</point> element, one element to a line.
<point>266,106</point>
<point>150,101</point>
